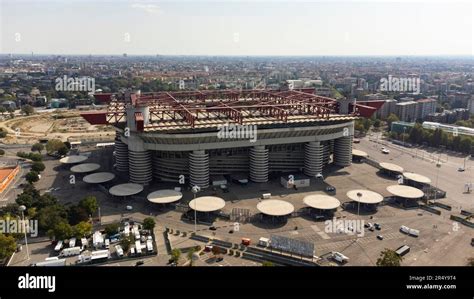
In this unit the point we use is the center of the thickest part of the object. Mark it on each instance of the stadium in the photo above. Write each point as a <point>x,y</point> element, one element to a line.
<point>165,136</point>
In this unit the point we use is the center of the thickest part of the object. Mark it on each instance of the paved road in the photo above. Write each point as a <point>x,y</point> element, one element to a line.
<point>449,178</point>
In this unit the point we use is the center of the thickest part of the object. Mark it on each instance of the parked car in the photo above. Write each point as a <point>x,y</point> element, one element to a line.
<point>380,237</point>
<point>461,169</point>
<point>139,263</point>
<point>212,228</point>
<point>377,226</point>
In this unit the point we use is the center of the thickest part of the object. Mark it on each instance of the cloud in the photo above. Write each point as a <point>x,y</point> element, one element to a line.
<point>149,8</point>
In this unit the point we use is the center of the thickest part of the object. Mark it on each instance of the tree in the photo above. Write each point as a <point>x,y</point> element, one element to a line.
<point>390,119</point>
<point>3,110</point>
<point>82,229</point>
<point>149,223</point>
<point>54,145</point>
<point>32,177</point>
<point>125,242</point>
<point>61,231</point>
<point>63,151</point>
<point>216,250</point>
<point>377,123</point>
<point>25,200</point>
<point>38,166</point>
<point>89,203</point>
<point>7,246</point>
<point>77,214</point>
<point>175,255</point>
<point>37,147</point>
<point>112,229</point>
<point>49,216</point>
<point>389,257</point>
<point>3,133</point>
<point>45,200</point>
<point>190,256</point>
<point>27,109</point>
<point>2,152</point>
<point>268,264</point>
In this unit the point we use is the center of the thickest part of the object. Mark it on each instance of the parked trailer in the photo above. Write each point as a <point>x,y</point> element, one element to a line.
<point>70,251</point>
<point>52,263</point>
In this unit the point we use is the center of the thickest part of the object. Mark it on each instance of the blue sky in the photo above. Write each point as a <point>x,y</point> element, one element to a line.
<point>237,27</point>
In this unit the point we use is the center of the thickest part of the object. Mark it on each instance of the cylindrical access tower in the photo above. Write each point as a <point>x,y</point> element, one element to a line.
<point>199,168</point>
<point>259,164</point>
<point>140,167</point>
<point>313,158</point>
<point>121,153</point>
<point>343,151</point>
<point>326,153</point>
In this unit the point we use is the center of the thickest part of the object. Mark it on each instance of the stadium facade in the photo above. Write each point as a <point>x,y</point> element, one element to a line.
<point>166,135</point>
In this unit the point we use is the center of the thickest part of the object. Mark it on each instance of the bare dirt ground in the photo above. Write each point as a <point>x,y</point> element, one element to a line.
<point>61,125</point>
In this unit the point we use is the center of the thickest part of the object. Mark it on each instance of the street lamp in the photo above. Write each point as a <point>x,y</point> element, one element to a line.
<point>22,209</point>
<point>195,189</point>
<point>359,195</point>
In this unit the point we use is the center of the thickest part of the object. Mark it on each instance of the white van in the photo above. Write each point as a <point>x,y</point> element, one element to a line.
<point>266,195</point>
<point>339,257</point>
<point>404,229</point>
<point>59,246</point>
<point>264,242</point>
<point>107,243</point>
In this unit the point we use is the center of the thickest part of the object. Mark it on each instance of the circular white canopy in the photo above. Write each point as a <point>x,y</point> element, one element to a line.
<point>405,191</point>
<point>322,202</point>
<point>73,159</point>
<point>417,177</point>
<point>126,189</point>
<point>391,167</point>
<point>99,177</point>
<point>359,153</point>
<point>275,207</point>
<point>364,196</point>
<point>207,204</point>
<point>164,196</point>
<point>85,167</point>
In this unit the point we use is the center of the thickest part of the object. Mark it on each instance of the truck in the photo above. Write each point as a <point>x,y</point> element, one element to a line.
<point>149,246</point>
<point>70,251</point>
<point>138,247</point>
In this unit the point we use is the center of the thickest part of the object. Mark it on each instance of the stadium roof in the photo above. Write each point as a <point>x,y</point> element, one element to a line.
<point>206,109</point>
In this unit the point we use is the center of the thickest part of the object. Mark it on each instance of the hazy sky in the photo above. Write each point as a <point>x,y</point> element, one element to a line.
<point>237,27</point>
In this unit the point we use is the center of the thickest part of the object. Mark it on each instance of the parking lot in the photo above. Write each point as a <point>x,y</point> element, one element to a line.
<point>441,241</point>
